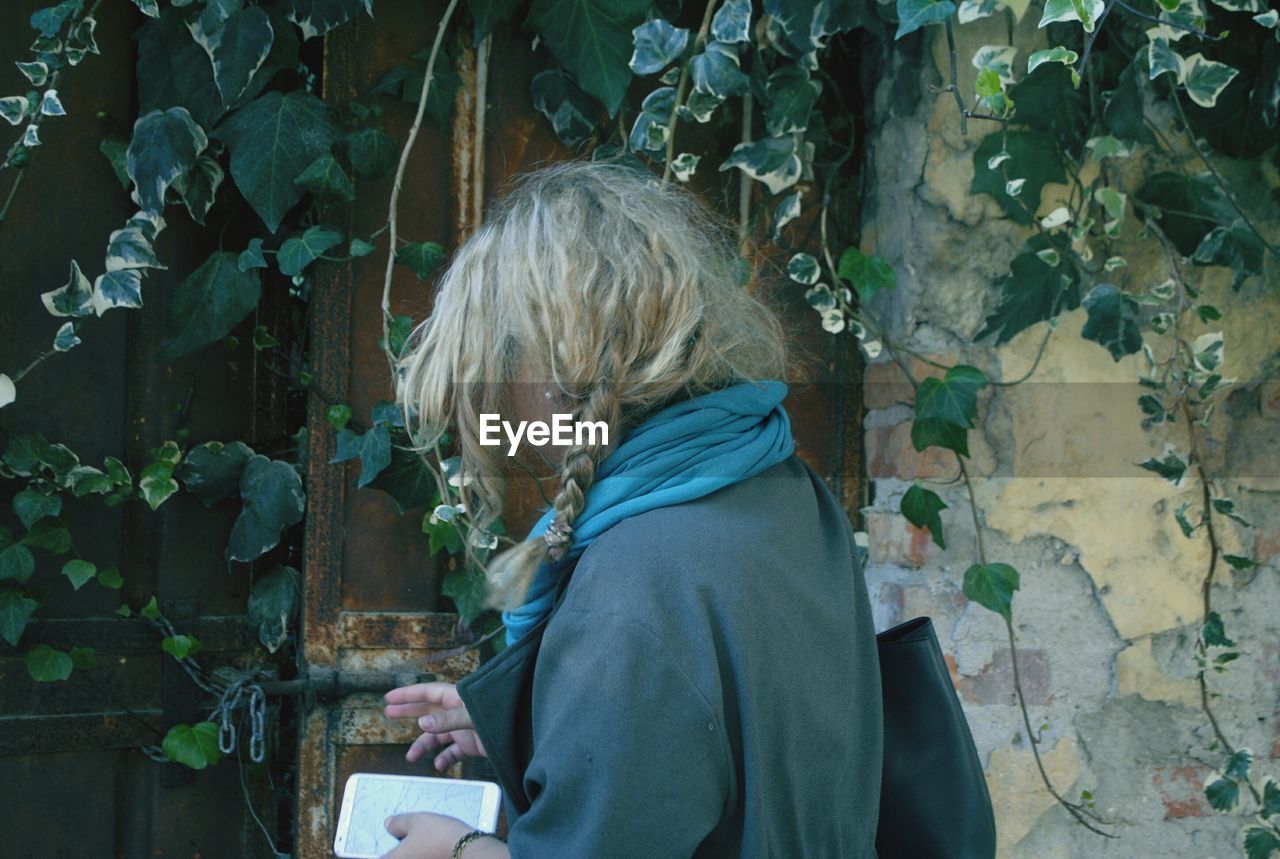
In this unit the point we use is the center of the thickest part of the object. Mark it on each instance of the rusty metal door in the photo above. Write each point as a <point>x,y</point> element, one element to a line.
<point>370,618</point>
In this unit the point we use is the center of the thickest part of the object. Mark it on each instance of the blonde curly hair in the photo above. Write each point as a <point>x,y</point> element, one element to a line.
<point>621,291</point>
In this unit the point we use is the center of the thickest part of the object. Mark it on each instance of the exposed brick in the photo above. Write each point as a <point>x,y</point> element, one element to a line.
<point>1266,543</point>
<point>1182,791</point>
<point>894,540</point>
<point>884,385</point>
<point>994,683</point>
<point>890,453</point>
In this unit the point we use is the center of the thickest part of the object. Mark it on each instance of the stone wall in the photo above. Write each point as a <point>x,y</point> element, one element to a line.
<point>1110,604</point>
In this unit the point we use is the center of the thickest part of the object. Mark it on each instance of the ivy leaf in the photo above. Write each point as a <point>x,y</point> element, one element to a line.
<point>1222,793</point>
<point>1270,798</point>
<point>1260,842</point>
<point>156,483</point>
<point>174,71</point>
<point>199,187</point>
<point>78,572</point>
<point>732,22</point>
<point>570,109</point>
<point>111,578</point>
<point>50,19</point>
<point>14,108</point>
<point>1113,321</point>
<point>407,479</point>
<point>251,257</point>
<point>16,560</point>
<point>195,745</point>
<point>1237,766</point>
<point>441,535</point>
<point>273,500</point>
<point>868,273</point>
<point>1239,562</point>
<point>208,304</point>
<point>15,610</point>
<point>273,606</point>
<point>372,152</point>
<point>326,180</point>
<point>716,72</point>
<point>1086,12</point>
<point>1236,247</point>
<point>237,46</point>
<point>1171,467</point>
<point>1205,79</point>
<point>48,665</point>
<point>211,471</point>
<point>790,96</point>
<point>301,251</point>
<point>317,17</point>
<point>1189,207</point>
<point>272,140</point>
<point>148,7</point>
<point>165,145</point>
<point>657,45</point>
<point>372,448</point>
<point>1048,101</point>
<point>1124,110</point>
<point>1214,633</point>
<point>992,586</point>
<point>953,398</point>
<point>444,86</point>
<point>32,504</point>
<point>421,257</point>
<point>71,299</point>
<point>130,248</point>
<point>1033,291</point>
<point>922,507</point>
<point>1032,157</point>
<point>82,658</point>
<point>914,14</point>
<point>467,590</point>
<point>50,535</point>
<point>772,161</point>
<point>180,646</point>
<point>592,39</point>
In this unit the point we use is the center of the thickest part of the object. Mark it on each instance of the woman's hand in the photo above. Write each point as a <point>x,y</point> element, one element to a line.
<point>424,835</point>
<point>443,719</point>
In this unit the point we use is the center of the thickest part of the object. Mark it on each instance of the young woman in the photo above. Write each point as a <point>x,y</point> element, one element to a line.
<point>691,667</point>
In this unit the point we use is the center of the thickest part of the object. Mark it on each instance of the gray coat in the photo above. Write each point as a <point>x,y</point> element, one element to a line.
<point>707,686</point>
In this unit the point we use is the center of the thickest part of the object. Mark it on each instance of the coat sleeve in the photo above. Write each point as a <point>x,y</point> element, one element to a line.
<point>629,757</point>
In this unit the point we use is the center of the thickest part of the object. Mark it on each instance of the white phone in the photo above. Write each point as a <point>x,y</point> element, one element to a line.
<point>370,798</point>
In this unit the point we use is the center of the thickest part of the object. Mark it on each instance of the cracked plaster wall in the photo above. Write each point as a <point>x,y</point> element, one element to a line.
<point>1110,602</point>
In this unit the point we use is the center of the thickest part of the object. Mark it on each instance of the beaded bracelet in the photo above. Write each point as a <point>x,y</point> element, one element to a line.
<point>467,839</point>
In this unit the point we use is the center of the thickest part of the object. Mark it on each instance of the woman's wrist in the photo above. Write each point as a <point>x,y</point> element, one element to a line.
<point>467,838</point>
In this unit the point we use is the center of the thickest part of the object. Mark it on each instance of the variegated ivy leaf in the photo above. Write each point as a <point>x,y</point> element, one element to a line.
<point>150,8</point>
<point>716,71</point>
<point>997,58</point>
<point>31,136</point>
<point>1161,57</point>
<point>72,299</point>
<point>198,187</point>
<point>117,289</point>
<point>1014,187</point>
<point>50,105</point>
<point>165,145</point>
<point>788,210</point>
<point>1049,257</point>
<point>803,268</point>
<point>571,110</point>
<point>772,161</point>
<point>317,17</point>
<point>684,165</point>
<point>790,96</point>
<point>833,320</point>
<point>699,106</point>
<point>1269,19</point>
<point>131,248</point>
<point>83,36</point>
<point>971,10</point>
<point>8,391</point>
<point>1113,203</point>
<point>50,19</point>
<point>657,45</point>
<point>1056,54</point>
<point>36,72</point>
<point>1056,218</point>
<point>914,14</point>
<point>1240,5</point>
<point>14,108</point>
<point>732,22</point>
<point>1205,79</point>
<point>66,337</point>
<point>1084,11</point>
<point>237,46</point>
<point>649,134</point>
<point>1108,147</point>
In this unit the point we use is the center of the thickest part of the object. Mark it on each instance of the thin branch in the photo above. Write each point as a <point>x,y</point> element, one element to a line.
<point>683,86</point>
<point>392,215</point>
<point>1177,25</point>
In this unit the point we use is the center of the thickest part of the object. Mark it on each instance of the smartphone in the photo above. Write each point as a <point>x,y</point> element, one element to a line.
<point>370,798</point>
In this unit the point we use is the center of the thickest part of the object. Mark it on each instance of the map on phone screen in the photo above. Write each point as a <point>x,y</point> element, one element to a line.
<point>378,797</point>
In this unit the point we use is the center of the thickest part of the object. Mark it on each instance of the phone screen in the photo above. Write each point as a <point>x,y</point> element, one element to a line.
<point>377,797</point>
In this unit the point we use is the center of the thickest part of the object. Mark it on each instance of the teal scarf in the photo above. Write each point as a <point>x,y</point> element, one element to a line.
<point>685,451</point>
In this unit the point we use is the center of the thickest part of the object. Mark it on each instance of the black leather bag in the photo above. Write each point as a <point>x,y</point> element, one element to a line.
<point>933,793</point>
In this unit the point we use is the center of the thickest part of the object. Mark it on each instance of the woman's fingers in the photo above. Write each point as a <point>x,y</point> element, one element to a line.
<point>456,745</point>
<point>437,693</point>
<point>455,719</point>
